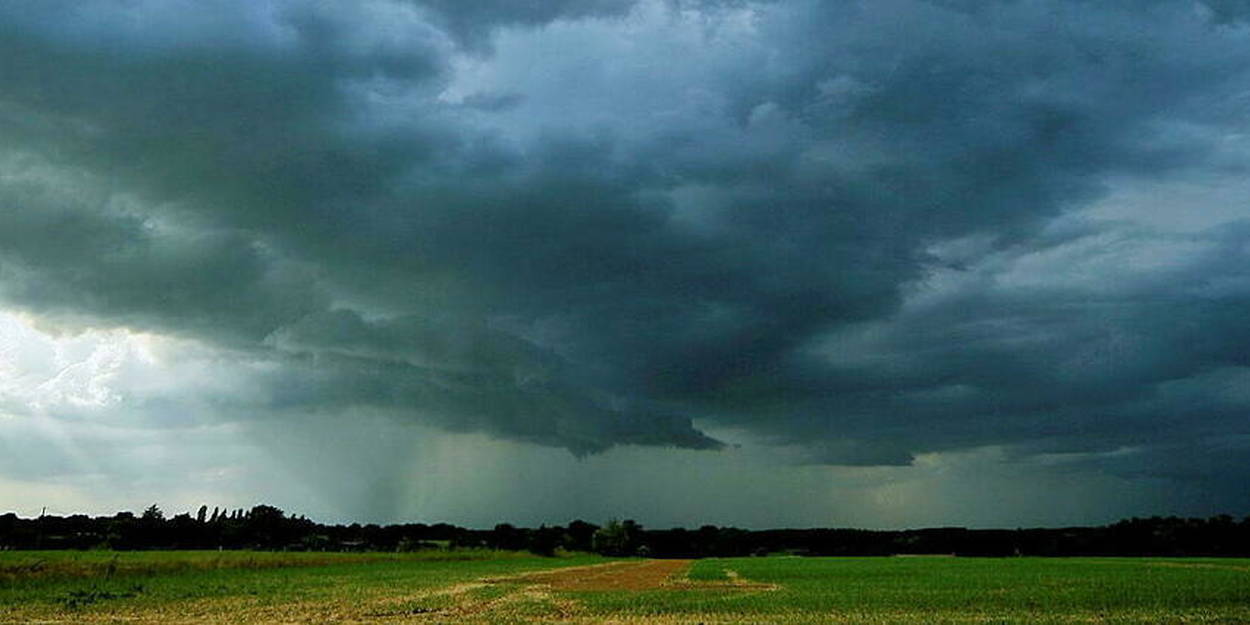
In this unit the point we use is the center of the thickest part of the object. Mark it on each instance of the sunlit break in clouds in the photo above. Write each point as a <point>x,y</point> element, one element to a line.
<point>775,263</point>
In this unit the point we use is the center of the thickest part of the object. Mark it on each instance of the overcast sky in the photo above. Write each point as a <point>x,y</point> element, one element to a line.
<point>878,263</point>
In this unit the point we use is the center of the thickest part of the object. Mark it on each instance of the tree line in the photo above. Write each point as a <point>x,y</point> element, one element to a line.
<point>265,527</point>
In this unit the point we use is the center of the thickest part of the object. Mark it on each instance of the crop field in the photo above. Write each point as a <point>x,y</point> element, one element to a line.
<point>499,587</point>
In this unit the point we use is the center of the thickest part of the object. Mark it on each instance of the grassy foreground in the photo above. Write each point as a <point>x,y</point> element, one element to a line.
<point>495,587</point>
<point>246,587</point>
<point>952,590</point>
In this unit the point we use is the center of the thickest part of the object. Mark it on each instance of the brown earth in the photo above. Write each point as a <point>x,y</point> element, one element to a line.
<point>538,597</point>
<point>647,575</point>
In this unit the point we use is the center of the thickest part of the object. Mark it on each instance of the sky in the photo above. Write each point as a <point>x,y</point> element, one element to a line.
<point>784,263</point>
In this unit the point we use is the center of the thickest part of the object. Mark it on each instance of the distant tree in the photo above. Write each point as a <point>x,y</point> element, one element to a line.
<point>200,516</point>
<point>633,539</point>
<point>507,536</point>
<point>266,525</point>
<point>153,513</point>
<point>181,532</point>
<point>266,514</point>
<point>544,540</point>
<point>149,529</point>
<point>617,538</point>
<point>580,536</point>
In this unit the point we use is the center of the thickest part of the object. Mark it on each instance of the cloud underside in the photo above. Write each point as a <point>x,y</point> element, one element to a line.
<point>863,230</point>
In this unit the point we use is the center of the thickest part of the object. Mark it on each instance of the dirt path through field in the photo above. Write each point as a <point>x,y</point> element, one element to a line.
<point>538,595</point>
<point>645,575</point>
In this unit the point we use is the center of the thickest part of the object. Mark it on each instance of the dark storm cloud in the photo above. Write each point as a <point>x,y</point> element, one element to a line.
<point>463,376</point>
<point>1021,353</point>
<point>1228,11</point>
<point>802,219</point>
<point>473,22</point>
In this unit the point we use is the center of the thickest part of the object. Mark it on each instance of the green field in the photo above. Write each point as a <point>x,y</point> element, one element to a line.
<point>244,586</point>
<point>957,590</point>
<point>496,587</point>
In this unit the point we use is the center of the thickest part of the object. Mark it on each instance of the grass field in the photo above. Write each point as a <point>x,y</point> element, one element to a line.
<point>952,590</point>
<point>494,587</point>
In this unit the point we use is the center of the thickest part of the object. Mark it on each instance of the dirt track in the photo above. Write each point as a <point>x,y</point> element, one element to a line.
<point>616,576</point>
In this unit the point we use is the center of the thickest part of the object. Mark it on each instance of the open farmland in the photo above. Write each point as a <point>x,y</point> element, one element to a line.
<point>494,587</point>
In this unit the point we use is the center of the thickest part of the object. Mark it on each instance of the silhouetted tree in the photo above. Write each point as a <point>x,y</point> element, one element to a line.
<point>580,536</point>
<point>507,536</point>
<point>153,513</point>
<point>617,538</point>
<point>544,540</point>
<point>264,526</point>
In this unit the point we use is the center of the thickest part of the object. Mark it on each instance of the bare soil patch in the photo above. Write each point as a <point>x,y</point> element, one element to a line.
<point>737,582</point>
<point>648,575</point>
